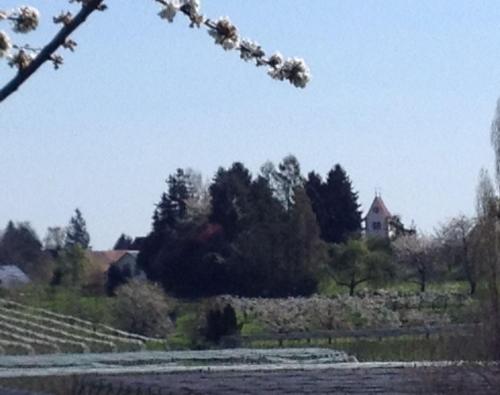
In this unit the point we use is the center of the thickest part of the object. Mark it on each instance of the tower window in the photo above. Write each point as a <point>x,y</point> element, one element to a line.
<point>376,225</point>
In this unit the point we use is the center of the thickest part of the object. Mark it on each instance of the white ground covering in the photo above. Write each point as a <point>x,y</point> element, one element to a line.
<point>183,361</point>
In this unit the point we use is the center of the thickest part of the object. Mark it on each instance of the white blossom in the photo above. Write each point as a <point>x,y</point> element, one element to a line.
<point>26,19</point>
<point>250,50</point>
<point>225,33</point>
<point>275,60</point>
<point>3,15</point>
<point>194,5</point>
<point>5,44</point>
<point>294,70</point>
<point>21,59</point>
<point>170,10</point>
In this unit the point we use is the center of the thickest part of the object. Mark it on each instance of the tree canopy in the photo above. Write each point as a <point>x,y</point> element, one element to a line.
<point>335,204</point>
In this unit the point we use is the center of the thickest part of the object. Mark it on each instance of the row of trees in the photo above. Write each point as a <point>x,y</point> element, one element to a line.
<point>263,235</point>
<point>276,234</point>
<point>279,233</point>
<point>58,259</point>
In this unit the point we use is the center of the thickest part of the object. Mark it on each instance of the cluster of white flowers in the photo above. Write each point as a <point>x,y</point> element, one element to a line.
<point>314,313</point>
<point>20,59</point>
<point>25,19</point>
<point>379,309</point>
<point>226,34</point>
<point>5,44</point>
<point>191,8</point>
<point>294,70</point>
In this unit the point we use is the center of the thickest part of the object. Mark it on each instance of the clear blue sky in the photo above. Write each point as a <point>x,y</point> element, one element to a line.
<point>403,93</point>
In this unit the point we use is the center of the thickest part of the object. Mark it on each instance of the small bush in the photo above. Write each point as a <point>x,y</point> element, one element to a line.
<point>221,323</point>
<point>142,307</point>
<point>187,332</point>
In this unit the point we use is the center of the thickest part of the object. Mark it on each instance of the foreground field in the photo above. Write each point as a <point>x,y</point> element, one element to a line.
<point>240,371</point>
<point>348,380</point>
<point>341,379</point>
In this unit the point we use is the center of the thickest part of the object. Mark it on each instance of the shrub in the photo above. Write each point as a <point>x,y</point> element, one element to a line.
<point>188,328</point>
<point>142,307</point>
<point>220,323</point>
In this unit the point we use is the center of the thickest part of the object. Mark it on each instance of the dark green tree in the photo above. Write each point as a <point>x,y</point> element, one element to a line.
<point>304,250</point>
<point>19,245</point>
<point>124,242</point>
<point>229,192</point>
<point>315,187</point>
<point>335,204</point>
<point>258,252</point>
<point>185,253</point>
<point>168,217</point>
<point>76,234</point>
<point>220,324</point>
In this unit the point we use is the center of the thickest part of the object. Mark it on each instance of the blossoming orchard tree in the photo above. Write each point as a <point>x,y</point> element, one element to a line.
<point>28,59</point>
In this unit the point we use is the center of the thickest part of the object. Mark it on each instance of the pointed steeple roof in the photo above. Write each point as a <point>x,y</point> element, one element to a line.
<point>378,202</point>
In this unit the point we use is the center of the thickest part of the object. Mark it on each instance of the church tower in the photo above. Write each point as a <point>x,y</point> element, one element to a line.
<point>377,219</point>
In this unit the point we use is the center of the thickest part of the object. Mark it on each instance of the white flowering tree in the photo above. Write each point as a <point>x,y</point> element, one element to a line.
<point>417,254</point>
<point>27,59</point>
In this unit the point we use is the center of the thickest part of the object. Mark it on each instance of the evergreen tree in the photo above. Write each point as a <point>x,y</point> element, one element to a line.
<point>174,253</point>
<point>258,253</point>
<point>76,234</point>
<point>124,242</point>
<point>229,192</point>
<point>19,245</point>
<point>303,247</point>
<point>314,188</point>
<point>248,245</point>
<point>335,205</point>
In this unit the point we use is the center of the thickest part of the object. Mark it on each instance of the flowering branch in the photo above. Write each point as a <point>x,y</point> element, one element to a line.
<point>27,59</point>
<point>226,34</point>
<point>25,20</point>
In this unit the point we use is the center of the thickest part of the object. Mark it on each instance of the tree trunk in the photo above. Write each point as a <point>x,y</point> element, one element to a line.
<point>494,293</point>
<point>472,285</point>
<point>423,280</point>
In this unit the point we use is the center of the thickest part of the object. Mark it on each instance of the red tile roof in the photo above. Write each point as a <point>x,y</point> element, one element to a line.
<point>104,259</point>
